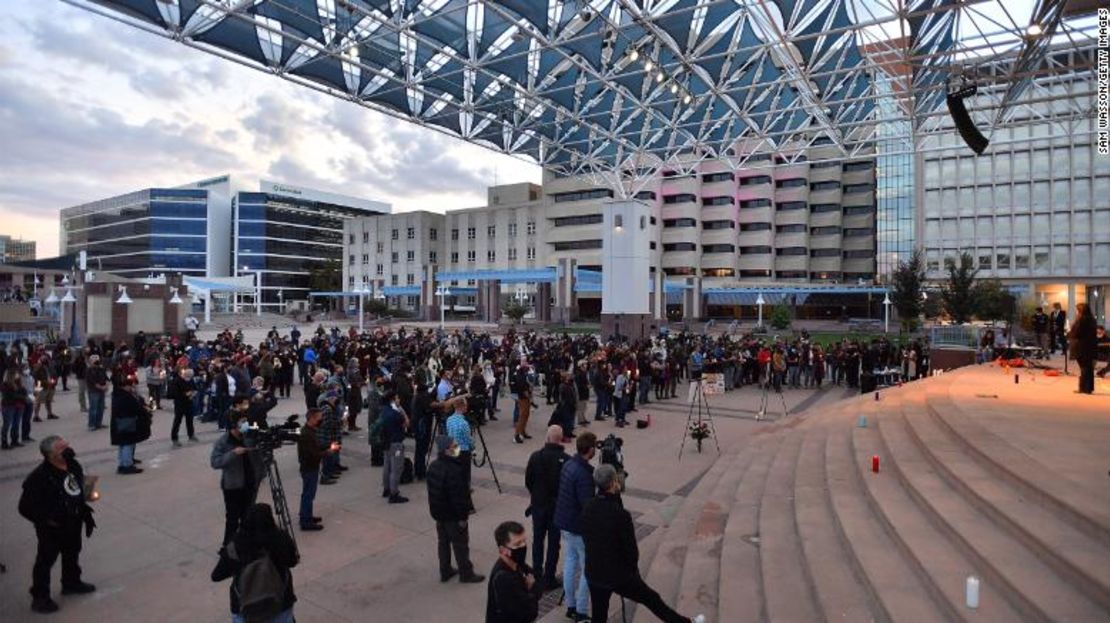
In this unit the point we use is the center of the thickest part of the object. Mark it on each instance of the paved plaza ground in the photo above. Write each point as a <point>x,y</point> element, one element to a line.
<point>772,528</point>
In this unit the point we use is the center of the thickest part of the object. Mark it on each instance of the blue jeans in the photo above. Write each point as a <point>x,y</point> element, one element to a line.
<point>620,407</point>
<point>126,455</point>
<point>602,404</point>
<point>575,586</point>
<point>96,409</point>
<point>309,482</point>
<point>13,417</point>
<point>282,617</point>
<point>645,387</point>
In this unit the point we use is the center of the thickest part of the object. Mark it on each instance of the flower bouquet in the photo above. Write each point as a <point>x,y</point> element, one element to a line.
<point>699,431</point>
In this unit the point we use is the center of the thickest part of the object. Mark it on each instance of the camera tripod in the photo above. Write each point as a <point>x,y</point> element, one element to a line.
<point>440,428</point>
<point>764,398</point>
<point>699,403</point>
<point>277,495</point>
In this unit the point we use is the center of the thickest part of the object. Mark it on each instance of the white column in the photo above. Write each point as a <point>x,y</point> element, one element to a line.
<point>208,307</point>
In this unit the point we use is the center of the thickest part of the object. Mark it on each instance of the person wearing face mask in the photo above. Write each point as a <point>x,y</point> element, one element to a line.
<point>54,500</point>
<point>514,594</point>
<point>130,424</point>
<point>449,503</point>
<point>241,469</point>
<point>612,555</point>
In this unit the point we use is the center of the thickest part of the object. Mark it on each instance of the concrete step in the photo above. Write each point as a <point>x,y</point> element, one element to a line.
<point>741,597</point>
<point>941,563</point>
<point>665,572</point>
<point>842,596</point>
<point>901,592</point>
<point>1031,586</point>
<point>1072,554</point>
<point>701,574</point>
<point>787,587</point>
<point>1088,513</point>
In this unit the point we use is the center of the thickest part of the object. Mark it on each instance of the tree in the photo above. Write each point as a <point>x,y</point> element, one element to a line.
<point>780,316</point>
<point>906,293</point>
<point>514,310</point>
<point>959,292</point>
<point>992,301</point>
<point>326,278</point>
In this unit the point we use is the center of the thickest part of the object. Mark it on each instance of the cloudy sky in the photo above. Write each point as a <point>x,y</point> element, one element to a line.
<point>90,108</point>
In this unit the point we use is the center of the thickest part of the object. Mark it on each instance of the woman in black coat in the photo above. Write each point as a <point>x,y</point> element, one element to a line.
<point>258,535</point>
<point>130,424</point>
<point>1083,343</point>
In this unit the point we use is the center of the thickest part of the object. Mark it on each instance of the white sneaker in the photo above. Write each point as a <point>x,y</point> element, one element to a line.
<point>699,619</point>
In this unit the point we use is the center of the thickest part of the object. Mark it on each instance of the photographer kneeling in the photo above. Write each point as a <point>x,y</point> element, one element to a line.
<point>612,555</point>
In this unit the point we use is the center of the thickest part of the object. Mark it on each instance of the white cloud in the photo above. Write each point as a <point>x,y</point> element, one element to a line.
<point>90,108</point>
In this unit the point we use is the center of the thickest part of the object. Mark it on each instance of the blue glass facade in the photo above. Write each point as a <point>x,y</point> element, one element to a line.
<point>895,228</point>
<point>150,231</point>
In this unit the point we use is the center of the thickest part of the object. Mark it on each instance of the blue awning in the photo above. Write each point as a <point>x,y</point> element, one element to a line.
<point>401,290</point>
<point>773,295</point>
<point>524,275</point>
<point>340,294</point>
<point>205,285</point>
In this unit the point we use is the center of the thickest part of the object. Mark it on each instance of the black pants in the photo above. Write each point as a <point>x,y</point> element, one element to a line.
<point>1087,376</point>
<point>454,536</point>
<point>65,541</point>
<point>236,503</point>
<point>183,413</point>
<point>544,531</point>
<point>637,591</point>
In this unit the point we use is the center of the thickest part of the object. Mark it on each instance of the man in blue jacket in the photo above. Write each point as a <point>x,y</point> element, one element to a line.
<point>576,487</point>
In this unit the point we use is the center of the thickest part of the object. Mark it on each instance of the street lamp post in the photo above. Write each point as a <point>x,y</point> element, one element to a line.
<point>257,289</point>
<point>886,312</point>
<point>443,292</point>
<point>760,302</point>
<point>361,315</point>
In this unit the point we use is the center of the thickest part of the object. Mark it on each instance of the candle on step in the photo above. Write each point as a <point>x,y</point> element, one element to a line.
<point>972,591</point>
<point>876,395</point>
<point>862,422</point>
<point>1016,379</point>
<point>875,463</point>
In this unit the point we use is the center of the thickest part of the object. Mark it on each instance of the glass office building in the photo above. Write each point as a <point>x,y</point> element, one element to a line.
<point>894,177</point>
<point>157,230</point>
<point>288,232</point>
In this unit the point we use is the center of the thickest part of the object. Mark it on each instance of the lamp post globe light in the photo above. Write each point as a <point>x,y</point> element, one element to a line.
<point>760,302</point>
<point>442,292</point>
<point>886,312</point>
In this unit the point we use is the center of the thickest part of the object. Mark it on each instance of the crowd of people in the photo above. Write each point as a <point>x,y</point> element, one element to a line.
<point>432,387</point>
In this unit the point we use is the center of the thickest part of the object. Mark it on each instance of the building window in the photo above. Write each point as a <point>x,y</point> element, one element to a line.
<point>794,182</point>
<point>852,232</point>
<point>857,188</point>
<point>531,253</point>
<point>725,224</point>
<point>1002,260</point>
<point>454,257</point>
<point>393,235</point>
<point>393,280</point>
<point>790,274</point>
<point>755,203</point>
<point>680,271</point>
<point>830,230</point>
<point>718,272</point>
<point>858,166</point>
<point>985,261</point>
<point>433,233</point>
<point>351,260</point>
<point>567,221</point>
<point>351,281</point>
<point>717,201</point>
<point>755,180</point>
<point>380,269</point>
<point>718,248</point>
<point>858,210</point>
<point>724,176</point>
<point>679,198</point>
<point>791,251</point>
<point>669,223</point>
<point>755,227</point>
<point>582,195</point>
<point>491,256</point>
<point>530,229</point>
<point>645,195</point>
<point>351,239</point>
<point>859,253</point>
<point>393,257</point>
<point>365,258</point>
<point>491,231</point>
<point>829,185</point>
<point>680,246</point>
<point>824,252</point>
<point>512,254</point>
<point>454,234</point>
<point>783,206</point>
<point>471,256</point>
<point>432,258</point>
<point>512,230</point>
<point>413,301</point>
<point>365,237</point>
<point>410,233</point>
<point>410,256</point>
<point>411,279</point>
<point>651,245</point>
<point>819,208</point>
<point>381,247</point>
<point>471,233</point>
<point>795,228</point>
<point>576,245</point>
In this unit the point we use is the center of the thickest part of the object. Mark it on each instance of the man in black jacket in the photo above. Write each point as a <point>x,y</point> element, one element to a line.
<point>541,477</point>
<point>449,503</point>
<point>182,390</point>
<point>309,455</point>
<point>612,556</point>
<point>54,501</point>
<point>513,595</point>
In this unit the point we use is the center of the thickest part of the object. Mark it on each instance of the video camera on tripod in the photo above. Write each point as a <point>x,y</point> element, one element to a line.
<point>273,437</point>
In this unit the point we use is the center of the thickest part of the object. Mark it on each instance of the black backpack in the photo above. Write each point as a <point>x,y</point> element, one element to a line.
<point>261,587</point>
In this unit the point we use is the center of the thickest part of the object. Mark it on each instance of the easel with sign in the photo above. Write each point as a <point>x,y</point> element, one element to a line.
<point>706,384</point>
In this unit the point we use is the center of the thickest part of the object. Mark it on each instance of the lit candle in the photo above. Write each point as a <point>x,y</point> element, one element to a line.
<point>875,463</point>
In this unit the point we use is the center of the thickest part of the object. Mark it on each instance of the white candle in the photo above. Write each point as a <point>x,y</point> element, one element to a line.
<point>972,592</point>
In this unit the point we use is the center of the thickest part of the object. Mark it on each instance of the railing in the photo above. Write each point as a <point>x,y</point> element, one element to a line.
<point>955,335</point>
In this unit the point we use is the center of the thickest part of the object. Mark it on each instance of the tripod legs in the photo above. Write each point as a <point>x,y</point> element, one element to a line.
<point>277,495</point>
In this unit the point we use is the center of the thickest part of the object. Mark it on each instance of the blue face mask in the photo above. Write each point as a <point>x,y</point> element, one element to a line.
<point>244,427</point>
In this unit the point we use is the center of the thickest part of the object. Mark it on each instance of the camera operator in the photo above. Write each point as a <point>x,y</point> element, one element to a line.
<point>241,470</point>
<point>513,595</point>
<point>130,424</point>
<point>394,423</point>
<point>612,555</point>
<point>541,477</point>
<point>53,500</point>
<point>309,454</point>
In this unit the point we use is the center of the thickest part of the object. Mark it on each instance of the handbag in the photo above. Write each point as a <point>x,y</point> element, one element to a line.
<point>127,425</point>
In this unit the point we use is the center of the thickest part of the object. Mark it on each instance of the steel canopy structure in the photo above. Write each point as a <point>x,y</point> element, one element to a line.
<point>627,86</point>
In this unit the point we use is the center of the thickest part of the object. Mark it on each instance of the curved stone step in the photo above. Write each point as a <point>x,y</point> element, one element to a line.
<point>901,590</point>
<point>1024,579</point>
<point>939,562</point>
<point>665,572</point>
<point>1072,554</point>
<point>842,596</point>
<point>741,601</point>
<point>787,588</point>
<point>699,587</point>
